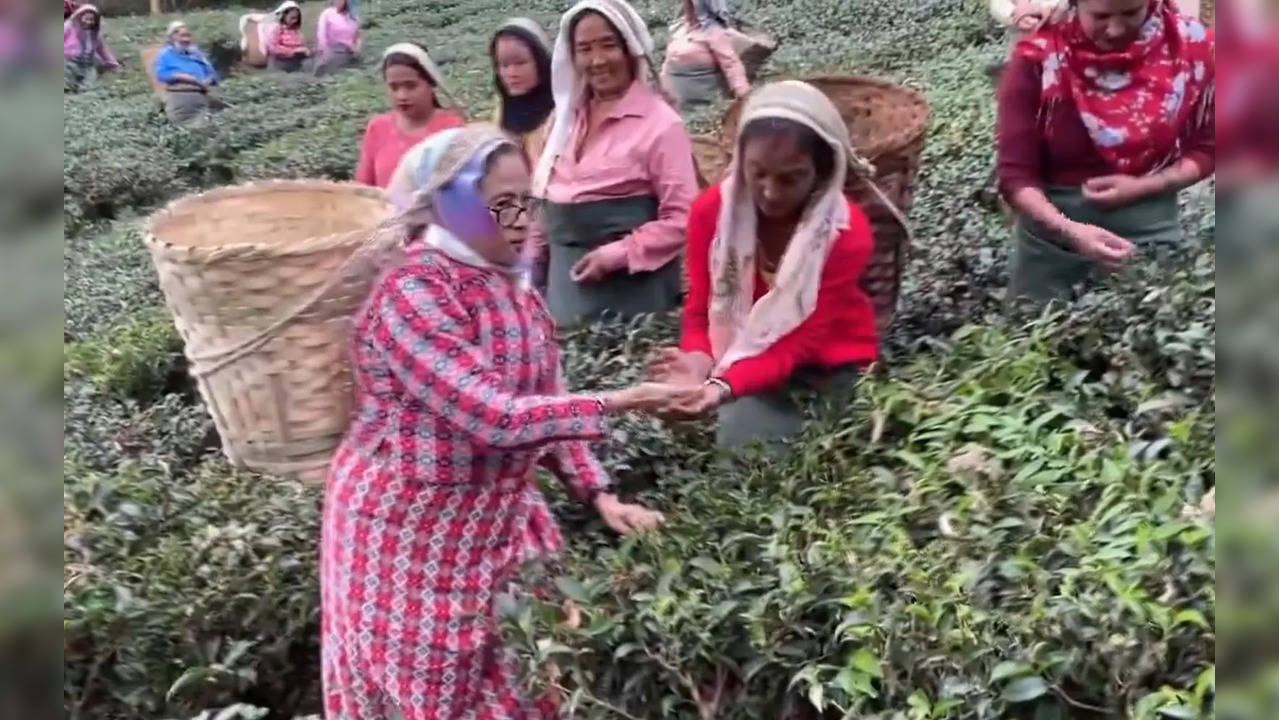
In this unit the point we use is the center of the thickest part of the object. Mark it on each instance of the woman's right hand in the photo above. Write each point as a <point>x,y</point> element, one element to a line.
<point>672,365</point>
<point>1100,245</point>
<point>648,396</point>
<point>1026,15</point>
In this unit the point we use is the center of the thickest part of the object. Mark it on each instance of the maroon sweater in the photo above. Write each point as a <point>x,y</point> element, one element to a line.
<point>1067,156</point>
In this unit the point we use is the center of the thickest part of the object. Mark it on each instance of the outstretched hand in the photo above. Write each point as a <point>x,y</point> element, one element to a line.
<point>626,518</point>
<point>648,396</point>
<point>672,365</point>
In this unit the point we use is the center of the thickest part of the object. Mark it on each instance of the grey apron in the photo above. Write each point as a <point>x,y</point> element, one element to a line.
<point>336,59</point>
<point>184,103</point>
<point>289,64</point>
<point>1044,269</point>
<point>696,86</point>
<point>777,416</point>
<point>575,229</point>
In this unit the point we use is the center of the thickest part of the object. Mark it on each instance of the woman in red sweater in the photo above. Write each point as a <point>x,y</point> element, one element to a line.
<point>774,256</point>
<point>1103,117</point>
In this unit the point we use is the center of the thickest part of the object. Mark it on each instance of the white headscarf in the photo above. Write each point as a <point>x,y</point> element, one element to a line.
<point>174,26</point>
<point>740,327</point>
<point>569,88</point>
<point>425,62</point>
<point>284,7</point>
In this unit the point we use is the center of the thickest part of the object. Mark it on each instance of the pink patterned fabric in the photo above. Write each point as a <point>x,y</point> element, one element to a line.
<point>285,42</point>
<point>431,503</point>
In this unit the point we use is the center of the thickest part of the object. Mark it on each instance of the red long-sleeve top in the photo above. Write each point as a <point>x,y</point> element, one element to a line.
<point>1065,157</point>
<point>840,331</point>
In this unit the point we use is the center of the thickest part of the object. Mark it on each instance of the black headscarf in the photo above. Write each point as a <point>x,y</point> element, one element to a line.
<point>526,113</point>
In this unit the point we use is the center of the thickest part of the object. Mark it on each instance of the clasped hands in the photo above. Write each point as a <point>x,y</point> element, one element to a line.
<point>675,387</point>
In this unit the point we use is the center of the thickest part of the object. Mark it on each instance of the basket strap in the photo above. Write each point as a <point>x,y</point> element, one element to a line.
<point>893,210</point>
<point>381,239</point>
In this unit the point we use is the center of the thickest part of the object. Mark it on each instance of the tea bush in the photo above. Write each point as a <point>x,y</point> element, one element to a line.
<point>992,527</point>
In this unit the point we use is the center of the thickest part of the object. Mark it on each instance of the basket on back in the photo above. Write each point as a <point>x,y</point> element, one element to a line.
<point>262,281</point>
<point>887,124</point>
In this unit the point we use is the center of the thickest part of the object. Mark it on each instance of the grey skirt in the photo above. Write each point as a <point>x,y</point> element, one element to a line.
<point>184,105</point>
<point>290,64</point>
<point>575,229</point>
<point>697,86</point>
<point>1044,266</point>
<point>774,417</point>
<point>336,59</point>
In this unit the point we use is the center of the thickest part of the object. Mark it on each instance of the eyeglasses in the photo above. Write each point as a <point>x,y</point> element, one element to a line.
<point>509,211</point>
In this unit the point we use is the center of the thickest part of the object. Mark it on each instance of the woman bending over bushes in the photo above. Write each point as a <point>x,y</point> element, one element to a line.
<point>1103,117</point>
<point>775,255</point>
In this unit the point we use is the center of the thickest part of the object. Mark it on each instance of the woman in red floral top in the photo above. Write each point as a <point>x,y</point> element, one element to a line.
<point>775,255</point>
<point>431,503</point>
<point>1104,115</point>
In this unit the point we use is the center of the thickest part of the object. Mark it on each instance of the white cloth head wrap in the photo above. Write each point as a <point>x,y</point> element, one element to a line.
<point>740,327</point>
<point>569,89</point>
<point>284,7</point>
<point>425,62</point>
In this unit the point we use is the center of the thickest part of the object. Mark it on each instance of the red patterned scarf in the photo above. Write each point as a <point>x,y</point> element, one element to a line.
<point>1136,103</point>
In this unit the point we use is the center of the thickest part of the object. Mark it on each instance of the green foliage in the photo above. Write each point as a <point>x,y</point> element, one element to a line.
<point>183,593</point>
<point>975,533</point>
<point>136,359</point>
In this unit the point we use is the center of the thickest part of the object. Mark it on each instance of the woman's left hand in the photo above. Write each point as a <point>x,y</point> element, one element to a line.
<point>591,268</point>
<point>626,518</point>
<point>1112,191</point>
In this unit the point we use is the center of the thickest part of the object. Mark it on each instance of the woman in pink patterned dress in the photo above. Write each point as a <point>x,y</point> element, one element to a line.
<point>431,503</point>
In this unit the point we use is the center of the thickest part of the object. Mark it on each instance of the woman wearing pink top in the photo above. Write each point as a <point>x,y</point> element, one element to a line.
<point>412,81</point>
<point>701,64</point>
<point>337,38</point>
<point>616,176</point>
<point>286,48</point>
<point>84,52</point>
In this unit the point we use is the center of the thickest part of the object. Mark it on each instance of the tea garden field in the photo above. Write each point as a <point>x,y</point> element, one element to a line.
<point>1002,523</point>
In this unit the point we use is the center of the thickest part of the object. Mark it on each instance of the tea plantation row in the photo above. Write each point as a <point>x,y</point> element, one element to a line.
<point>993,526</point>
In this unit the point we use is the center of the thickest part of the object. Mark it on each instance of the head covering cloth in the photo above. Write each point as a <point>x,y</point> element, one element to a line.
<point>570,89</point>
<point>284,7</point>
<point>527,112</point>
<point>425,63</point>
<point>437,184</point>
<point>1136,102</point>
<point>740,327</point>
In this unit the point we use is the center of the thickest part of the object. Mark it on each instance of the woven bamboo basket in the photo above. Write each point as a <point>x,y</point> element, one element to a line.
<point>709,160</point>
<point>262,281</point>
<point>887,123</point>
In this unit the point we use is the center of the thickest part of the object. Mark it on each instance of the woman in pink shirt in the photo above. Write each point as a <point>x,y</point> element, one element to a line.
<point>412,80</point>
<point>84,51</point>
<point>337,38</point>
<point>286,48</point>
<point>616,176</point>
<point>701,63</point>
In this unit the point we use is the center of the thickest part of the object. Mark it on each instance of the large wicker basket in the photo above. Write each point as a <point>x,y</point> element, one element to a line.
<point>887,123</point>
<point>709,160</point>
<point>262,281</point>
